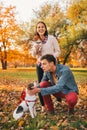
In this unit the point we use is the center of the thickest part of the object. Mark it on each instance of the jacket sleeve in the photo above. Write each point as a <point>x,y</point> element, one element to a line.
<point>59,86</point>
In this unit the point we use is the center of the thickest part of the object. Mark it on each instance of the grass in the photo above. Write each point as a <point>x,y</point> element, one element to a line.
<point>30,73</point>
<point>80,74</point>
<point>19,73</point>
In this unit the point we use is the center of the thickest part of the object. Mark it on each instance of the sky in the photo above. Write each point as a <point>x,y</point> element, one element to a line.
<point>24,8</point>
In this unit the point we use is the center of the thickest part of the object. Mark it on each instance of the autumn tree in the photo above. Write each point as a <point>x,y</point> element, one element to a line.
<point>9,32</point>
<point>77,13</point>
<point>74,30</point>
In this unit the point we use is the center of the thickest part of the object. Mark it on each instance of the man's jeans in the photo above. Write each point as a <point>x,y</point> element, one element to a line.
<point>71,97</point>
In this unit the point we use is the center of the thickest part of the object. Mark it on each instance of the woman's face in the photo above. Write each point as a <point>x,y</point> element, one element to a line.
<point>41,29</point>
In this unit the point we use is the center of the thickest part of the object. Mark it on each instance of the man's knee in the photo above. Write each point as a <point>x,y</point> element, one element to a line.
<point>45,84</point>
<point>72,98</point>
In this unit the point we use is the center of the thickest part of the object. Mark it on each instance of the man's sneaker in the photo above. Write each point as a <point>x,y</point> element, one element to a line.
<point>59,100</point>
<point>71,111</point>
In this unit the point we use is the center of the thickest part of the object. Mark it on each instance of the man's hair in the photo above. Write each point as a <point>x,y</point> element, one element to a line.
<point>49,58</point>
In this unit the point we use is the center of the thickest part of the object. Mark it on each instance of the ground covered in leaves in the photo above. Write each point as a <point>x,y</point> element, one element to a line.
<point>9,96</point>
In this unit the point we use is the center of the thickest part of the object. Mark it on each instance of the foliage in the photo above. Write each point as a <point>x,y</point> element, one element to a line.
<point>73,32</point>
<point>79,9</point>
<point>9,32</point>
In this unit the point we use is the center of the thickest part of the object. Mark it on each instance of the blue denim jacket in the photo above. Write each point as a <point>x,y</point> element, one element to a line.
<point>65,84</point>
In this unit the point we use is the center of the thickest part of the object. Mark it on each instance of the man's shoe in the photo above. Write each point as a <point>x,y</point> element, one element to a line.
<point>71,111</point>
<point>59,100</point>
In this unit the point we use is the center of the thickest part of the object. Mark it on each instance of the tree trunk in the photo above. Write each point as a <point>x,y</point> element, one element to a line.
<point>67,55</point>
<point>4,64</point>
<point>3,57</point>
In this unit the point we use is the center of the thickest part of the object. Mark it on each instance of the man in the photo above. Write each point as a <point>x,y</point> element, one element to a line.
<point>59,81</point>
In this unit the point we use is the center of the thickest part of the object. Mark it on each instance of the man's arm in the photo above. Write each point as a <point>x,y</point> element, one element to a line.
<point>55,88</point>
<point>59,86</point>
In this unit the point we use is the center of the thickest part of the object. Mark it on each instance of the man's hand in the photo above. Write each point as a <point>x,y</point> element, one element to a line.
<point>34,91</point>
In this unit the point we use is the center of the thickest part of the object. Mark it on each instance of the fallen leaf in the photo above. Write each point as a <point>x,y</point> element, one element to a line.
<point>21,123</point>
<point>54,127</point>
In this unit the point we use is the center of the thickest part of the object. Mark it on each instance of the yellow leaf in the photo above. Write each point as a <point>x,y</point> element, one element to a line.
<point>21,123</point>
<point>54,127</point>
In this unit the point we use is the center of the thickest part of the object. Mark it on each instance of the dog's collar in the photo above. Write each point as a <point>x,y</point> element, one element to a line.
<point>30,100</point>
<point>26,101</point>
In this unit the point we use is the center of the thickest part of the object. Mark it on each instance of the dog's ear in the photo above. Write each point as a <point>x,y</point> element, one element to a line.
<point>19,109</point>
<point>30,86</point>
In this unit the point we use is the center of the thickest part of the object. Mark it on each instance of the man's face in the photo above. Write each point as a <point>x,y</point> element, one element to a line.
<point>46,66</point>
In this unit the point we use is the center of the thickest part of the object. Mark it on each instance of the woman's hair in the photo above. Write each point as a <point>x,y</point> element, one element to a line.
<point>37,36</point>
<point>49,58</point>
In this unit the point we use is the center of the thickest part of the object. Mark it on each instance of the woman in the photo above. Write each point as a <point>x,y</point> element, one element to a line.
<point>43,44</point>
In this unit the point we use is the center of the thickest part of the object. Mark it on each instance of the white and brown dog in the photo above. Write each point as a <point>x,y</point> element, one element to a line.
<point>27,103</point>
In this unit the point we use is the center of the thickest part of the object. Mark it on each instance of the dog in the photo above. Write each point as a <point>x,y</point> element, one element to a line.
<point>27,102</point>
